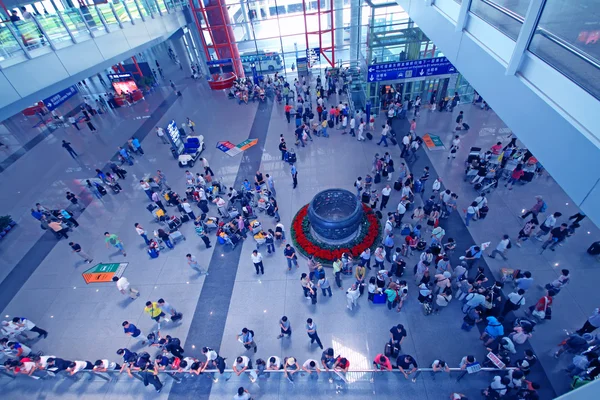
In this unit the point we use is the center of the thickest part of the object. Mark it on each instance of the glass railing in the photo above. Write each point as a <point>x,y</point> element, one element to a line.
<point>162,6</point>
<point>75,23</point>
<point>568,38</point>
<point>9,46</point>
<point>121,13</point>
<point>21,40</point>
<point>133,10</point>
<point>505,15</point>
<point>107,13</point>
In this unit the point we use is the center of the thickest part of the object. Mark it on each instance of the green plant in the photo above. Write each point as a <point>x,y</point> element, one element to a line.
<point>4,222</point>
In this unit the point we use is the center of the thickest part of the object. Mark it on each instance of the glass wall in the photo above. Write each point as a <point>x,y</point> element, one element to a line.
<point>567,37</point>
<point>272,34</point>
<point>505,15</point>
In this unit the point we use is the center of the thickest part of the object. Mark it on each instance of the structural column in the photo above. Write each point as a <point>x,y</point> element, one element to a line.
<point>355,14</point>
<point>222,32</point>
<point>180,51</point>
<point>339,23</point>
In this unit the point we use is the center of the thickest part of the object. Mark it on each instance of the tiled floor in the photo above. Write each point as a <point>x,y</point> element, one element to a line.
<point>84,320</point>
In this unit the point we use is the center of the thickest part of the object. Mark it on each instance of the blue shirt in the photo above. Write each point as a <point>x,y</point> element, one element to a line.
<point>389,241</point>
<point>123,153</point>
<point>136,143</point>
<point>293,170</point>
<point>247,337</point>
<point>472,251</point>
<point>135,332</point>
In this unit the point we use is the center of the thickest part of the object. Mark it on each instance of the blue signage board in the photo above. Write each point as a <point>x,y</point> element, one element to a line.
<point>410,69</point>
<point>57,99</point>
<point>313,55</point>
<point>119,76</point>
<point>219,62</point>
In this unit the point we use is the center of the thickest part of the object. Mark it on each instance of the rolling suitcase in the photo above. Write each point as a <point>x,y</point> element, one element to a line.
<point>527,176</point>
<point>365,198</point>
<point>393,140</point>
<point>101,190</point>
<point>377,178</point>
<point>466,126</point>
<point>151,207</point>
<point>369,136</point>
<point>177,317</point>
<point>185,218</point>
<point>330,123</point>
<point>391,351</point>
<point>397,186</point>
<point>594,249</point>
<point>291,156</point>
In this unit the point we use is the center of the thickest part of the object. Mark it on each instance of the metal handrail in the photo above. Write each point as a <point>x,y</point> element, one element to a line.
<point>547,34</point>
<point>513,15</point>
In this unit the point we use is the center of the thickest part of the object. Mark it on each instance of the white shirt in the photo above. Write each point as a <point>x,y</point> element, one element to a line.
<point>140,231</point>
<point>160,132</point>
<point>516,298</point>
<point>200,180</point>
<point>145,185</point>
<point>455,142</point>
<point>243,364</point>
<point>79,365</point>
<point>401,208</point>
<point>386,191</point>
<point>44,361</point>
<point>186,207</point>
<point>280,225</point>
<point>277,362</point>
<point>205,163</point>
<point>123,283</point>
<point>391,113</point>
<point>211,355</point>
<point>470,210</point>
<point>256,258</point>
<point>307,364</point>
<point>352,123</point>
<point>406,140</point>
<point>27,366</point>
<point>550,221</point>
<point>503,245</point>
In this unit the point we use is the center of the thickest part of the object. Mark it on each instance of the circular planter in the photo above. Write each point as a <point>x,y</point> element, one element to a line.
<point>335,215</point>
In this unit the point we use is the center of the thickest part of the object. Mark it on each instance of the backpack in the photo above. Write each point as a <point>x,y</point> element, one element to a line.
<point>175,342</point>
<point>113,241</point>
<point>544,207</point>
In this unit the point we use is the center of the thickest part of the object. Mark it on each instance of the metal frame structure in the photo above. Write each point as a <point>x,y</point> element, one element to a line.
<point>237,65</point>
<point>320,32</point>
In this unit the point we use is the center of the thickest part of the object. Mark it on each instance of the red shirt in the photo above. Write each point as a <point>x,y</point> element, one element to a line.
<point>517,174</point>
<point>288,108</point>
<point>542,303</point>
<point>496,149</point>
<point>384,363</point>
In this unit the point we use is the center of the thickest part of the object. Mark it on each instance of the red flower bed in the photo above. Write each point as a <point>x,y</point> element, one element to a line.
<point>308,245</point>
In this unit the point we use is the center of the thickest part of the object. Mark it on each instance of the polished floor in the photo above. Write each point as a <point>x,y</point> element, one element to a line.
<point>42,278</point>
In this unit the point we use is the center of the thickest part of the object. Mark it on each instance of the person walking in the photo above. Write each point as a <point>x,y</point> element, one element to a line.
<point>75,201</point>
<point>168,309</point>
<point>592,323</point>
<point>67,146</point>
<point>385,196</point>
<point>113,240</point>
<point>257,260</point>
<point>514,301</point>
<point>501,248</point>
<point>74,122</point>
<point>193,262</point>
<point>142,232</point>
<point>152,308</point>
<point>557,236</point>
<point>206,166</point>
<point>294,173</point>
<point>538,207</point>
<point>90,125</point>
<point>311,330</point>
<point>77,250</point>
<point>160,132</point>
<point>246,337</point>
<point>124,287</point>
<point>384,134</point>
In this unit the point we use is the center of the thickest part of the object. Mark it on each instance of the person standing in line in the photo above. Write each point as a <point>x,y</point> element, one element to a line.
<point>257,260</point>
<point>206,166</point>
<point>142,232</point>
<point>389,247</point>
<point>294,173</point>
<point>160,132</point>
<point>112,239</point>
<point>75,201</point>
<point>200,231</point>
<point>501,248</point>
<point>514,301</point>
<point>592,323</point>
<point>193,262</point>
<point>352,295</point>
<point>311,330</point>
<point>271,185</point>
<point>242,394</point>
<point>385,196</point>
<point>285,327</point>
<point>77,250</point>
<point>125,288</point>
<point>246,337</point>
<point>67,146</point>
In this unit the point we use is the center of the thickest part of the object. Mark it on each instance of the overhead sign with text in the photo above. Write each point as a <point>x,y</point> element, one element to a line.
<point>410,69</point>
<point>57,99</point>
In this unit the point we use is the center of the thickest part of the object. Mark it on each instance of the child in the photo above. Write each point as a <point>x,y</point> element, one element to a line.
<point>372,123</point>
<point>372,288</point>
